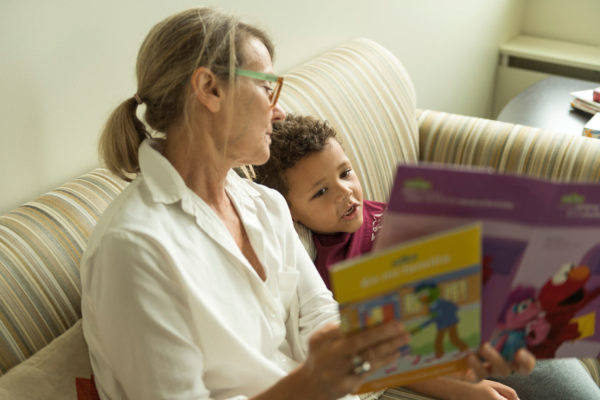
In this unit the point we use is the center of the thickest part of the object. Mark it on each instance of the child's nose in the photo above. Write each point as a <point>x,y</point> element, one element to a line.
<point>344,193</point>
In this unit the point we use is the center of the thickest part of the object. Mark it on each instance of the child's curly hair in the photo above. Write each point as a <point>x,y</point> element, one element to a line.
<point>293,139</point>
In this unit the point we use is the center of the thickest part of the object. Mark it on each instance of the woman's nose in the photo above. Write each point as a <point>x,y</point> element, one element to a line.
<point>278,113</point>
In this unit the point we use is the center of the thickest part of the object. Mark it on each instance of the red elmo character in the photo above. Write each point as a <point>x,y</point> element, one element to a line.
<point>561,298</point>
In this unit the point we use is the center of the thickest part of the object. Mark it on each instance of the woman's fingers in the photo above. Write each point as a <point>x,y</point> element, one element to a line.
<point>391,333</point>
<point>378,346</point>
<point>341,362</point>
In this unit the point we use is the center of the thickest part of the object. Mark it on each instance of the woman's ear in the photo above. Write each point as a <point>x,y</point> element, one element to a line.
<point>207,89</point>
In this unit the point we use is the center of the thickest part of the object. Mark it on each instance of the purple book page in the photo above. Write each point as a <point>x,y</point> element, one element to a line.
<point>540,239</point>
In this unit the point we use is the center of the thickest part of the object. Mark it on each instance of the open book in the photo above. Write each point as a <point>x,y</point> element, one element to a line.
<point>432,284</point>
<point>539,275</point>
<point>541,251</point>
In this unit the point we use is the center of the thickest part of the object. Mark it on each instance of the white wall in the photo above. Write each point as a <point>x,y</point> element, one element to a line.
<point>569,20</point>
<point>66,63</point>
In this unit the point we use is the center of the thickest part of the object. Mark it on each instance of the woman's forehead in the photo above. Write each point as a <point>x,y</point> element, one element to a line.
<point>255,54</point>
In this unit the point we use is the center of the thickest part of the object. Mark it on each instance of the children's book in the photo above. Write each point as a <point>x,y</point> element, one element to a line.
<point>540,255</point>
<point>433,285</point>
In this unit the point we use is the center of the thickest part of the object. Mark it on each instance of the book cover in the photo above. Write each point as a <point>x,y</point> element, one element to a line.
<point>433,285</point>
<point>592,127</point>
<point>541,251</point>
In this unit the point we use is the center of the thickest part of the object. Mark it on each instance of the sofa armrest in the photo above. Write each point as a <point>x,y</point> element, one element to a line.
<point>41,243</point>
<point>464,140</point>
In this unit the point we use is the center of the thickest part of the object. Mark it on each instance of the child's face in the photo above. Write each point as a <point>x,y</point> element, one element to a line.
<point>324,192</point>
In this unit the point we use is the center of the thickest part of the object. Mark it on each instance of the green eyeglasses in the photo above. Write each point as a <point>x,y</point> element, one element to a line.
<point>273,92</point>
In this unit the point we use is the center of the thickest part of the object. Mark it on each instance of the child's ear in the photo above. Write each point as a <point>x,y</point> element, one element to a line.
<point>207,89</point>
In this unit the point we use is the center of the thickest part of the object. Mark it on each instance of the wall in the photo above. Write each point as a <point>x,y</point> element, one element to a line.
<point>571,21</point>
<point>66,63</point>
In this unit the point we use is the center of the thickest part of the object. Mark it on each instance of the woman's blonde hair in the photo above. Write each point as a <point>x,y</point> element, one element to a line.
<point>171,52</point>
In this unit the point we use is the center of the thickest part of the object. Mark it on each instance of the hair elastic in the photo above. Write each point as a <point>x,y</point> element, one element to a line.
<point>138,98</point>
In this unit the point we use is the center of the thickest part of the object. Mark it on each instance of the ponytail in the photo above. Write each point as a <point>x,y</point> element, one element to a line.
<point>120,140</point>
<point>169,55</point>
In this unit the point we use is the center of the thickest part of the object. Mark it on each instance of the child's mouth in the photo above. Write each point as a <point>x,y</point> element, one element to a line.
<point>350,212</point>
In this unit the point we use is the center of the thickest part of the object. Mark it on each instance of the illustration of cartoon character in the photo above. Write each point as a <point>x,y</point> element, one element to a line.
<point>441,312</point>
<point>521,323</point>
<point>561,297</point>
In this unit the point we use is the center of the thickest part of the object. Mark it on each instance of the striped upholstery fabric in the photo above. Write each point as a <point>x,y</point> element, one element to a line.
<point>459,139</point>
<point>41,243</point>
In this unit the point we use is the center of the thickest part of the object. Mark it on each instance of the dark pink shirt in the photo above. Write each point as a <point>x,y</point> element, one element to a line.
<point>341,246</point>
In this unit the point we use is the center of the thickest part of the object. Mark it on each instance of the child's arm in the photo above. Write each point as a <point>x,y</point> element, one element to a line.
<point>449,389</point>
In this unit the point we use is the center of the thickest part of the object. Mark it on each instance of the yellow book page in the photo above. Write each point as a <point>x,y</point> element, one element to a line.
<point>368,275</point>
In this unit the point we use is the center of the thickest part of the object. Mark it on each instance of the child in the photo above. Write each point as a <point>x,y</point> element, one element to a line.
<point>310,169</point>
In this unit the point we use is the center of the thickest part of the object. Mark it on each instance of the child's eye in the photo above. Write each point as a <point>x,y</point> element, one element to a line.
<point>320,193</point>
<point>346,173</point>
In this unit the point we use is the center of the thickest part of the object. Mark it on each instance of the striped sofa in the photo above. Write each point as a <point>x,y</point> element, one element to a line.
<point>362,89</point>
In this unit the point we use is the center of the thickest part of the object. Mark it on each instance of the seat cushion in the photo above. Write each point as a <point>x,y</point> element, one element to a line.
<point>51,372</point>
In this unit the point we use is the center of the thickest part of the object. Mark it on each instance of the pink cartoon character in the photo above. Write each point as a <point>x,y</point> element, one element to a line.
<point>521,323</point>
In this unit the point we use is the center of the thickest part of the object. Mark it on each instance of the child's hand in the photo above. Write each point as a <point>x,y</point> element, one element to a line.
<point>494,364</point>
<point>450,388</point>
<point>490,390</point>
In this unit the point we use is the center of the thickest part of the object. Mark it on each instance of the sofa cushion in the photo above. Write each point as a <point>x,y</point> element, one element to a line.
<point>41,244</point>
<point>51,372</point>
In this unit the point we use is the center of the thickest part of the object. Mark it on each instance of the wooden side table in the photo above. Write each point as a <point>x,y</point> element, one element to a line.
<point>547,104</point>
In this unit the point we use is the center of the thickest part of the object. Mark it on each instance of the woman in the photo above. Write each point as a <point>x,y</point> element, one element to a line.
<point>194,282</point>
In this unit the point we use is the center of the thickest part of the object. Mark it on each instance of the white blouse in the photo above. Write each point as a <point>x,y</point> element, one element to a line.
<point>171,307</point>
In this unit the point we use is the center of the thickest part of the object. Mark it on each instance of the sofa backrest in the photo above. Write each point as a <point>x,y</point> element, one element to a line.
<point>505,147</point>
<point>41,244</point>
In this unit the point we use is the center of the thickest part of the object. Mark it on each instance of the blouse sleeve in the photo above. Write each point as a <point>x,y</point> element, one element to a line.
<point>316,304</point>
<point>141,334</point>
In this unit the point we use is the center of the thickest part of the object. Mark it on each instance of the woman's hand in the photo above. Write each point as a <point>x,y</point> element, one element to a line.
<point>494,364</point>
<point>329,370</point>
